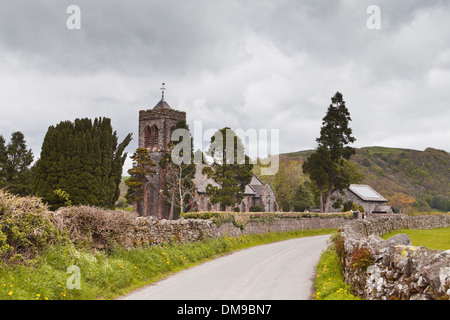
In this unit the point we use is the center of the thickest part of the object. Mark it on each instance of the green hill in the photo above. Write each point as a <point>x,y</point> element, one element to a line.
<point>424,175</point>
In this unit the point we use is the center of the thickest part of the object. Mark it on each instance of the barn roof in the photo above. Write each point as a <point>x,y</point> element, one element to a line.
<point>366,193</point>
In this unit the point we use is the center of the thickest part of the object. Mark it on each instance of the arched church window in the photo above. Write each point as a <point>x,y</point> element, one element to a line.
<point>149,137</point>
<point>155,135</point>
<point>152,195</point>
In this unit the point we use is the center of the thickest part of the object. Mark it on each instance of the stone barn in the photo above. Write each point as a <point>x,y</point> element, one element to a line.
<point>364,195</point>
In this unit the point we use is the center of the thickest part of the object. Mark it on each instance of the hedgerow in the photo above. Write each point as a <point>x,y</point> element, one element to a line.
<point>26,227</point>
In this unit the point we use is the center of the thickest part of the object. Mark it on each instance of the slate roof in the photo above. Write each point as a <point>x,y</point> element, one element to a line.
<point>162,105</point>
<point>254,188</point>
<point>381,209</point>
<point>201,180</point>
<point>366,193</point>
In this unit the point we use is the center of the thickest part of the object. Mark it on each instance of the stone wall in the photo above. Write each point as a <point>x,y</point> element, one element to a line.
<point>393,269</point>
<point>153,231</point>
<point>280,225</point>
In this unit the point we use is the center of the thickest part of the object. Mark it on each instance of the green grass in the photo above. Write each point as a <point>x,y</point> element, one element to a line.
<point>329,283</point>
<point>438,238</point>
<point>107,276</point>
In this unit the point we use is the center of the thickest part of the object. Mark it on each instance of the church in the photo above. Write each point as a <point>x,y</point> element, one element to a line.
<point>155,127</point>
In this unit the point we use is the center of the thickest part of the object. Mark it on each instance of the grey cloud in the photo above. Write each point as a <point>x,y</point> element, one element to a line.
<point>244,64</point>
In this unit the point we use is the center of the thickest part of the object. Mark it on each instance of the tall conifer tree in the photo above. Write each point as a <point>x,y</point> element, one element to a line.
<point>15,161</point>
<point>84,159</point>
<point>326,166</point>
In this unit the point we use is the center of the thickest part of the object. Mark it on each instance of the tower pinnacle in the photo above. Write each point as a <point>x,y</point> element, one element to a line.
<point>162,91</point>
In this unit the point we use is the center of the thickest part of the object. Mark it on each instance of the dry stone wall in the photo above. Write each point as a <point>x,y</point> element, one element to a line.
<point>393,269</point>
<point>280,225</point>
<point>103,229</point>
<point>153,231</point>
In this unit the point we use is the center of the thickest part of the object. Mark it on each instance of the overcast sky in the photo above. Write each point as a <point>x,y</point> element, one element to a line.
<point>255,64</point>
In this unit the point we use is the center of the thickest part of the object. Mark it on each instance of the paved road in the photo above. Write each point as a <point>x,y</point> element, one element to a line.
<point>277,271</point>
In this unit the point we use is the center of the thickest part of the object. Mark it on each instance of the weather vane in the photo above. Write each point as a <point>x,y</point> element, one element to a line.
<point>162,91</point>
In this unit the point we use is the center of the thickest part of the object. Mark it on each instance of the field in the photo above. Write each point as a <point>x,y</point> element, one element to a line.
<point>438,239</point>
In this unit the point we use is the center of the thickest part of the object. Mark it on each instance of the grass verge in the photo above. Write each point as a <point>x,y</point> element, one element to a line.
<point>329,283</point>
<point>438,238</point>
<point>107,276</point>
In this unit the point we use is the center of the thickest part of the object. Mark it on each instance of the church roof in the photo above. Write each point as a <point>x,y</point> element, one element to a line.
<point>162,105</point>
<point>201,181</point>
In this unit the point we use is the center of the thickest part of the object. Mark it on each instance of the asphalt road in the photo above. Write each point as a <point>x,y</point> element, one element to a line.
<point>278,271</point>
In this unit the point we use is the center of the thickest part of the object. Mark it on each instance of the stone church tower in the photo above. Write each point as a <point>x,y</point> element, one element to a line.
<point>154,134</point>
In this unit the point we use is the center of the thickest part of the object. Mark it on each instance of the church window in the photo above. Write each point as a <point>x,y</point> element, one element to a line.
<point>152,195</point>
<point>202,203</point>
<point>155,136</point>
<point>149,137</point>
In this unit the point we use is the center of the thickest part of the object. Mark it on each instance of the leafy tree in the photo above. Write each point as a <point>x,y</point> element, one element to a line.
<point>15,161</point>
<point>84,159</point>
<point>232,169</point>
<point>140,173</point>
<point>178,168</point>
<point>284,182</point>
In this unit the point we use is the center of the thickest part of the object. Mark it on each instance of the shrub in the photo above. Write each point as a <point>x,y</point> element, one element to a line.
<point>26,226</point>
<point>96,227</point>
<point>338,241</point>
<point>255,209</point>
<point>348,205</point>
<point>361,259</point>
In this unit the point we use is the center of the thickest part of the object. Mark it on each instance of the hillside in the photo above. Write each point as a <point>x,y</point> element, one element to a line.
<point>424,175</point>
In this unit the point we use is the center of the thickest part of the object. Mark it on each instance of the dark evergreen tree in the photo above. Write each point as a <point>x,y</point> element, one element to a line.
<point>3,161</point>
<point>139,175</point>
<point>84,159</point>
<point>302,199</point>
<point>335,134</point>
<point>15,161</point>
<point>326,166</point>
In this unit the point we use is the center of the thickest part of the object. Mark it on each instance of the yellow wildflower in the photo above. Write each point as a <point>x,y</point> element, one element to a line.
<point>10,293</point>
